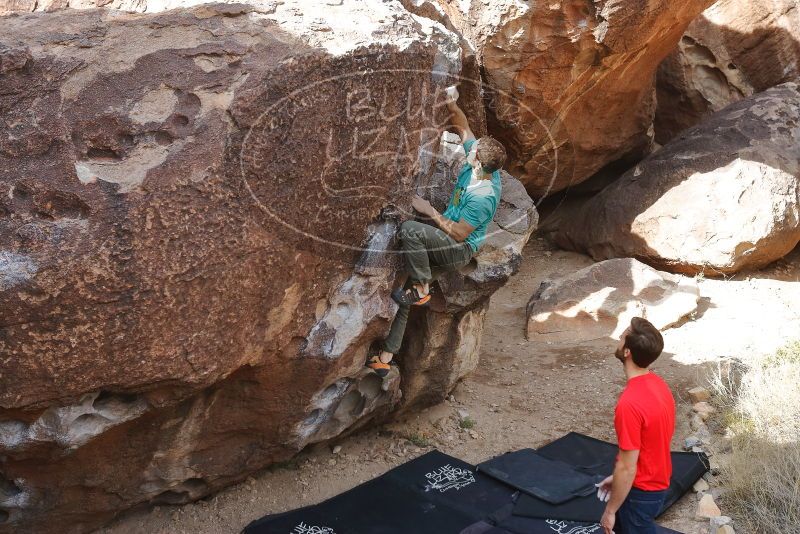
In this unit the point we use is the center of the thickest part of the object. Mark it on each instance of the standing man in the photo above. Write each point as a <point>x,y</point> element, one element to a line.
<point>457,234</point>
<point>645,422</point>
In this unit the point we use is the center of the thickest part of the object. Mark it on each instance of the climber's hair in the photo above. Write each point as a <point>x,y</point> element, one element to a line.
<point>644,341</point>
<point>491,154</point>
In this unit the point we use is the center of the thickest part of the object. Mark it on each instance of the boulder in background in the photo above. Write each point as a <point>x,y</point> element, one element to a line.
<point>734,49</point>
<point>721,198</point>
<point>600,301</point>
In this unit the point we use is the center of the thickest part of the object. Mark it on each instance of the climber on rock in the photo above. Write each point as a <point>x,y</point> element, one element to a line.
<point>645,422</point>
<point>458,232</point>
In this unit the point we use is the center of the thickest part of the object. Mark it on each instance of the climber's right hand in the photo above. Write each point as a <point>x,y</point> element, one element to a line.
<point>451,94</point>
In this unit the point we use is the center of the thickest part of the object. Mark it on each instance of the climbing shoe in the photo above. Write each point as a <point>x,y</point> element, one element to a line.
<point>381,369</point>
<point>410,297</point>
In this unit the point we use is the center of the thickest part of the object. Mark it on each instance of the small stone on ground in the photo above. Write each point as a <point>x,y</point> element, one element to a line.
<point>699,394</point>
<point>707,508</point>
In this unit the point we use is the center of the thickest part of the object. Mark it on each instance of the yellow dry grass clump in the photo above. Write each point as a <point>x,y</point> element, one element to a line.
<point>762,402</point>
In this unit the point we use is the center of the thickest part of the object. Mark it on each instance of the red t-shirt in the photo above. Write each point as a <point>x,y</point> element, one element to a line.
<point>645,421</point>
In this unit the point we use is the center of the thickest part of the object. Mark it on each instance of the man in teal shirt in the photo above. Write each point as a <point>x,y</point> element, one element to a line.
<point>457,234</point>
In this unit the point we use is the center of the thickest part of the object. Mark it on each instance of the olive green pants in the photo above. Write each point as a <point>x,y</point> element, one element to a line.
<point>429,252</point>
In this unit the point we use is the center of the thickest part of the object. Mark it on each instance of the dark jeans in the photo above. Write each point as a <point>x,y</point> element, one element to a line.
<point>638,513</point>
<point>428,253</point>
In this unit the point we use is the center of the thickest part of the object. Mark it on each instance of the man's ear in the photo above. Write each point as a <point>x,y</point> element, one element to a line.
<point>626,352</point>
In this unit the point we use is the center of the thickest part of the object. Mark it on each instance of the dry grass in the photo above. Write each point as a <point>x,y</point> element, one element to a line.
<point>467,423</point>
<point>762,405</point>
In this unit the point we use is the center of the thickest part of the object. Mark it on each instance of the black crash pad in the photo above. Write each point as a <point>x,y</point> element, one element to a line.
<point>432,494</point>
<point>597,457</point>
<point>550,480</point>
<point>521,525</point>
<point>439,494</point>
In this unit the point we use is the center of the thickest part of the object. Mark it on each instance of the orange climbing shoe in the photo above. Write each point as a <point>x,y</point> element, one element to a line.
<point>381,369</point>
<point>410,297</point>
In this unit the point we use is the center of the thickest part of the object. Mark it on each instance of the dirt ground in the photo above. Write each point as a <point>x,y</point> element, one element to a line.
<point>523,394</point>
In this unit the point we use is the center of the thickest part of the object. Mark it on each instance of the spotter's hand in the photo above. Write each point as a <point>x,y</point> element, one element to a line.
<point>604,488</point>
<point>421,205</point>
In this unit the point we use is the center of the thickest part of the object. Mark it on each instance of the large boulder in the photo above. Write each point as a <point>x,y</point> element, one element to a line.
<point>734,49</point>
<point>571,83</point>
<point>600,301</point>
<point>196,237</point>
<point>722,197</point>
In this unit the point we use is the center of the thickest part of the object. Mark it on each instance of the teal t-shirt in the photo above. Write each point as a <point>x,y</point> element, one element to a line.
<point>474,203</point>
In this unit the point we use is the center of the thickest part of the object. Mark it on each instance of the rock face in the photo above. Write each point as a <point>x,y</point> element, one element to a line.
<point>197,228</point>
<point>571,83</point>
<point>600,301</point>
<point>734,49</point>
<point>723,197</point>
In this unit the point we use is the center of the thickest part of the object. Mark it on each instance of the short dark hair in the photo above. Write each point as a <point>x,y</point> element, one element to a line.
<point>644,341</point>
<point>491,154</point>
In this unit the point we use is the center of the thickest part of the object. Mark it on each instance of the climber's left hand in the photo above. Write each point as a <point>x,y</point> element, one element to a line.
<point>422,205</point>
